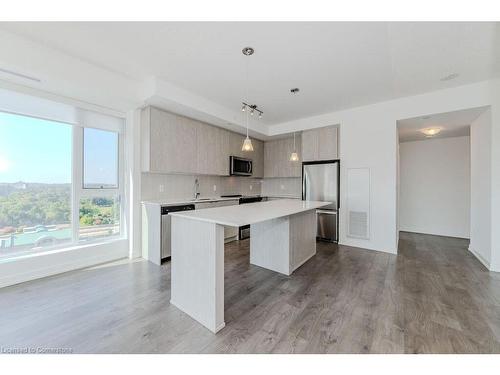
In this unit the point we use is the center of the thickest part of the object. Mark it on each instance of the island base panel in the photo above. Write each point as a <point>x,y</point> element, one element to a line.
<point>283,244</point>
<point>198,270</point>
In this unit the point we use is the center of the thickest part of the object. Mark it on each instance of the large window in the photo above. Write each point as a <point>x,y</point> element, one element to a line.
<point>59,185</point>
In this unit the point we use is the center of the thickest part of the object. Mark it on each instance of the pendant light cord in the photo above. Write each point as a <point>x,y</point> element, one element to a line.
<point>246,88</point>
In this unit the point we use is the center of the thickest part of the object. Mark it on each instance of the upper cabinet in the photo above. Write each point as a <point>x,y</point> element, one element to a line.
<point>320,144</point>
<point>177,144</point>
<point>277,161</point>
<point>169,142</point>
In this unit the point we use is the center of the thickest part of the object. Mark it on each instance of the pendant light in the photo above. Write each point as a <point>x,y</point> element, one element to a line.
<point>294,156</point>
<point>247,143</point>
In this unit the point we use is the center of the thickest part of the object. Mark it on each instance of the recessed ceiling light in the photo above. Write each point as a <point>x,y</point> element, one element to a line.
<point>449,77</point>
<point>431,132</point>
<point>295,90</point>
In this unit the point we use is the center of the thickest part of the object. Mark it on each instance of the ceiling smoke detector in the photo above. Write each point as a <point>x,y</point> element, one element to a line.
<point>449,77</point>
<point>295,90</point>
<point>248,51</point>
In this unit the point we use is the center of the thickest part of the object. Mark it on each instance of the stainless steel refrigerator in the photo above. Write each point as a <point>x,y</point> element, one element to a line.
<point>320,182</point>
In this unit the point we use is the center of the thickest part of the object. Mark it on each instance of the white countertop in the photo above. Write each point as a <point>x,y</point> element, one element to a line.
<point>168,202</point>
<point>251,213</point>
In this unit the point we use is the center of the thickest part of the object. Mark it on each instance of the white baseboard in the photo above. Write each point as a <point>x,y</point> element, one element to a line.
<point>356,244</point>
<point>480,258</point>
<point>15,271</point>
<point>452,235</point>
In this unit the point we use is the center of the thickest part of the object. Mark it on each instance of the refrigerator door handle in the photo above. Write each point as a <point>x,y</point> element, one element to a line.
<point>304,187</point>
<point>328,212</point>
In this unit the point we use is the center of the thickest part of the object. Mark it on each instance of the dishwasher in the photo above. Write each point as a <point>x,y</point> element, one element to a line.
<point>166,223</point>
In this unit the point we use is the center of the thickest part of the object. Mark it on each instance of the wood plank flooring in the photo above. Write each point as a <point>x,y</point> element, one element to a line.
<point>434,297</point>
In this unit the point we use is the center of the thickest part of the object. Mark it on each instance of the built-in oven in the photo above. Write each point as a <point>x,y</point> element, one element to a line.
<point>244,231</point>
<point>240,166</point>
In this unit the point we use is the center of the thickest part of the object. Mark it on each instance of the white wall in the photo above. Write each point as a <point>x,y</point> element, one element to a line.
<point>435,186</point>
<point>480,230</point>
<point>495,176</point>
<point>369,139</point>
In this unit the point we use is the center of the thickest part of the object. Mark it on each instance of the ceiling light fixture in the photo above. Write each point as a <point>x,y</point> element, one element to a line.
<point>449,77</point>
<point>252,108</point>
<point>294,156</point>
<point>431,132</point>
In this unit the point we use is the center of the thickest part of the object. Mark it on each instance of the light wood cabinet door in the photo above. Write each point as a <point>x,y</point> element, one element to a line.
<point>222,152</point>
<point>235,143</point>
<point>171,143</point>
<point>258,158</point>
<point>309,145</point>
<point>206,150</point>
<point>269,159</point>
<point>186,146</point>
<point>327,145</point>
<point>277,161</point>
<point>320,144</point>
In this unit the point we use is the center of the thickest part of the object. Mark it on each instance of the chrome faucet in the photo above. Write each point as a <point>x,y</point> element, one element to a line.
<point>196,189</point>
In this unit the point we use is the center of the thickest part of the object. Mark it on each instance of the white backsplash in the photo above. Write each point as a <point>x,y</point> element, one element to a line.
<point>172,186</point>
<point>282,187</point>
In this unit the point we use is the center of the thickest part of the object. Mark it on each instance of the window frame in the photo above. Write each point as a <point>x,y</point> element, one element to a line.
<point>79,191</point>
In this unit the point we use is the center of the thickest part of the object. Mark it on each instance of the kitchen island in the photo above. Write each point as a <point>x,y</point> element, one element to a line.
<point>283,237</point>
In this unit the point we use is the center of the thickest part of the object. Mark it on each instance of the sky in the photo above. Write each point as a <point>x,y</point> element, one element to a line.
<point>35,150</point>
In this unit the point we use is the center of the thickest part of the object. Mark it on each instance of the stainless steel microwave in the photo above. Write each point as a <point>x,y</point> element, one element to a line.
<point>240,166</point>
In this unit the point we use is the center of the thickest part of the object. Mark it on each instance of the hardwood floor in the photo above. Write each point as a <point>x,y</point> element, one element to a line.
<point>434,297</point>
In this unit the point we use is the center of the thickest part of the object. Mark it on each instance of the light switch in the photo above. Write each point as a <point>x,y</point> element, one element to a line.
<point>161,188</point>
<point>215,187</point>
<point>251,187</point>
<point>282,187</point>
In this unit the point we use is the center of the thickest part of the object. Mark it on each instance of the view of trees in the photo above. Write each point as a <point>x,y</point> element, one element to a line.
<point>98,211</point>
<point>26,205</point>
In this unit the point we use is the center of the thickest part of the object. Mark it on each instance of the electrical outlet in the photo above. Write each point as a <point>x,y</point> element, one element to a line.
<point>161,188</point>
<point>215,187</point>
<point>251,187</point>
<point>282,187</point>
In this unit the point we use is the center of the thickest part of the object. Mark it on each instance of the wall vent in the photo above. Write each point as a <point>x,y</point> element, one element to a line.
<point>358,224</point>
<point>358,203</point>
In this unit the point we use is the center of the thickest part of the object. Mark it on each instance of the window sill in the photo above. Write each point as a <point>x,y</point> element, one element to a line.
<point>70,247</point>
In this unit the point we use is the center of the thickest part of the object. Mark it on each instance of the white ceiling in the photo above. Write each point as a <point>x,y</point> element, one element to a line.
<point>452,124</point>
<point>335,65</point>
